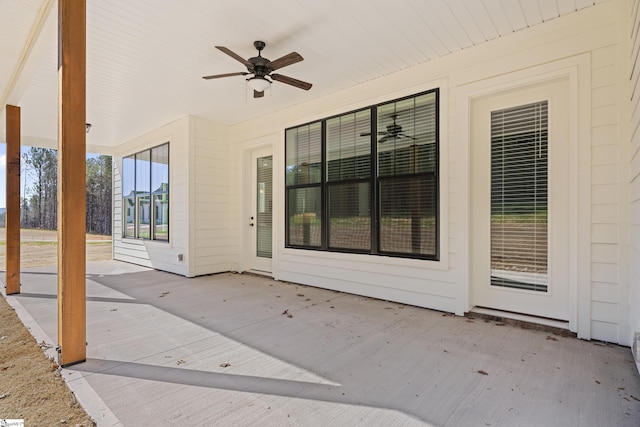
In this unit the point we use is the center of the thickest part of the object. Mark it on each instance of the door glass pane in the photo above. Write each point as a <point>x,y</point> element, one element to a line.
<point>519,178</point>
<point>264,206</point>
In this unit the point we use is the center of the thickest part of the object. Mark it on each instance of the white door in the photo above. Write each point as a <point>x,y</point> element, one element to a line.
<point>260,219</point>
<point>520,200</point>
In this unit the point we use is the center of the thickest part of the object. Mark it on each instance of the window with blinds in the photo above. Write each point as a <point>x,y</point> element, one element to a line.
<point>366,181</point>
<point>264,197</point>
<point>408,202</point>
<point>303,177</point>
<point>349,181</point>
<point>519,202</point>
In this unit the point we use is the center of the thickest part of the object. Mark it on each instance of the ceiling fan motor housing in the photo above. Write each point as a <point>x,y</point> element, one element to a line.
<point>394,128</point>
<point>261,68</point>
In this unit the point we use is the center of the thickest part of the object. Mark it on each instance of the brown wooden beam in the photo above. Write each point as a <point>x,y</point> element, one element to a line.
<point>72,322</point>
<point>12,214</point>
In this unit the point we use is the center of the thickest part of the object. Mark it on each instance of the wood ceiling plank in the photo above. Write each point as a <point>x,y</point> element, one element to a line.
<point>532,13</point>
<point>514,14</point>
<point>481,17</point>
<point>467,22</point>
<point>549,9</point>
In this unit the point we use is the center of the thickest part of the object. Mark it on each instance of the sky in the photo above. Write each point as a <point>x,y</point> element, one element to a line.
<point>23,179</point>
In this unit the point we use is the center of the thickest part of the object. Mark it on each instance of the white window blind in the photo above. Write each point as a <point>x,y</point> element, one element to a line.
<point>264,184</point>
<point>349,174</point>
<point>519,188</point>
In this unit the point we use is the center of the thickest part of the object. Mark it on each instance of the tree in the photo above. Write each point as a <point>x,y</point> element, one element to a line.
<point>43,163</point>
<point>40,197</point>
<point>99,195</point>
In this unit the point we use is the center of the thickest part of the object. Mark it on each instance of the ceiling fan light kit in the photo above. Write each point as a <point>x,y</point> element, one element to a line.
<point>261,68</point>
<point>259,84</point>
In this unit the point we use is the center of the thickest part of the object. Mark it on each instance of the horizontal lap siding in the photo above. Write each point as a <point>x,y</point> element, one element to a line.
<point>634,173</point>
<point>594,32</point>
<point>214,249</point>
<point>158,255</point>
<point>605,199</point>
<point>386,287</point>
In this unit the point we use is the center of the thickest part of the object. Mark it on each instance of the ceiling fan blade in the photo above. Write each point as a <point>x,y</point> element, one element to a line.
<point>257,94</point>
<point>234,56</point>
<point>217,76</point>
<point>369,134</point>
<point>289,59</point>
<point>404,135</point>
<point>291,81</point>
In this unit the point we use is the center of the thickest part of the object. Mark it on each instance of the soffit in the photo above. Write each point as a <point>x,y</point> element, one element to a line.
<point>145,59</point>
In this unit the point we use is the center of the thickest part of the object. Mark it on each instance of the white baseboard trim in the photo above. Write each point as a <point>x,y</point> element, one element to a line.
<point>522,317</point>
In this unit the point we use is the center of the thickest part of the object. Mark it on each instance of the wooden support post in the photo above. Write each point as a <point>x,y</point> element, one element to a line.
<point>12,215</point>
<point>72,322</point>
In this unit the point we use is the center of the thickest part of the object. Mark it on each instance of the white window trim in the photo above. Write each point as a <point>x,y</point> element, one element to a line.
<point>578,71</point>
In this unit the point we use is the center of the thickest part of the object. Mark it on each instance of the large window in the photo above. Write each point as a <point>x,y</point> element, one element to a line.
<point>145,194</point>
<point>366,181</point>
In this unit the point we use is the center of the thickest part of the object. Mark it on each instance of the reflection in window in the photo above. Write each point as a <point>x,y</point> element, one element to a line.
<point>160,188</point>
<point>145,190</point>
<point>366,181</point>
<point>129,199</point>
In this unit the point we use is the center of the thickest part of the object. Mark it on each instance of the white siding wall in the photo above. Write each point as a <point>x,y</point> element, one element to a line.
<point>633,152</point>
<point>444,285</point>
<point>159,255</point>
<point>208,176</point>
<point>606,247</point>
<point>214,248</point>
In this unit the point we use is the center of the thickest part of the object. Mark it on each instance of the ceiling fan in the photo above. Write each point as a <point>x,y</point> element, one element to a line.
<point>262,70</point>
<point>394,131</point>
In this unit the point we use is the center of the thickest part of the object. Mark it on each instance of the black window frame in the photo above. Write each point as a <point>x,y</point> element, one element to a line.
<point>163,191</point>
<point>374,185</point>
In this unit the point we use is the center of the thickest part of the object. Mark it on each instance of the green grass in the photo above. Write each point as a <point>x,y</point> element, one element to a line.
<point>529,218</point>
<point>52,243</point>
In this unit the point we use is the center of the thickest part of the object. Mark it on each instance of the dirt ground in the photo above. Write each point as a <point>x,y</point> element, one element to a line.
<point>30,386</point>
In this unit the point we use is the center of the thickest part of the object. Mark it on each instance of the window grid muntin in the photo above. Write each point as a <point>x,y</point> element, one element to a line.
<point>144,201</point>
<point>374,188</point>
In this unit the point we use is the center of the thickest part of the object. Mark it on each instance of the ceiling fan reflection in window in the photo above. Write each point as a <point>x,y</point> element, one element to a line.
<point>392,132</point>
<point>262,70</point>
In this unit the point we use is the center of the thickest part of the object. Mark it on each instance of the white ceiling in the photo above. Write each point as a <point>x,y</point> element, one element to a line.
<point>145,58</point>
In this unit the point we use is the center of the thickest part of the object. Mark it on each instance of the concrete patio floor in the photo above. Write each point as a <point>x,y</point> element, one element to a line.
<point>234,349</point>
